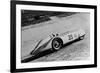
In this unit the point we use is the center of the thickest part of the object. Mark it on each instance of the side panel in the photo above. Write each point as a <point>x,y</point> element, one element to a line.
<point>70,37</point>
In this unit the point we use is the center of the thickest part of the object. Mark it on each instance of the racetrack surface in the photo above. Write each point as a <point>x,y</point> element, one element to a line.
<point>79,50</point>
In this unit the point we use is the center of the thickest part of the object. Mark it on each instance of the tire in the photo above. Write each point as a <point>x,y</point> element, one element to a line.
<point>81,37</point>
<point>57,43</point>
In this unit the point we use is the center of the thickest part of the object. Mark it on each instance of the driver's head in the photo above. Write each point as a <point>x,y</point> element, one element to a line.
<point>53,35</point>
<point>57,34</point>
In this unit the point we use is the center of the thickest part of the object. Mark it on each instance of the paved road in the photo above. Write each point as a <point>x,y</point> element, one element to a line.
<point>79,50</point>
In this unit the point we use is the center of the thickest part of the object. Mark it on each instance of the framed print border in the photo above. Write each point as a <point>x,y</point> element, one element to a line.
<point>13,35</point>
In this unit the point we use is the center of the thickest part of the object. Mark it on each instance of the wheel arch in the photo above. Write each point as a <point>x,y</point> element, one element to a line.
<point>59,39</point>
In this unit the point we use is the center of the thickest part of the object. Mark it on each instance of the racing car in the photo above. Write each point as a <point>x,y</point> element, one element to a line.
<point>55,42</point>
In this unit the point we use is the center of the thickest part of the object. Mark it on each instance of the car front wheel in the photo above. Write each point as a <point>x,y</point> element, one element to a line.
<point>56,44</point>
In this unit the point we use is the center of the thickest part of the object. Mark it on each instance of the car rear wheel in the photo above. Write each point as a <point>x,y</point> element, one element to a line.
<point>56,44</point>
<point>81,37</point>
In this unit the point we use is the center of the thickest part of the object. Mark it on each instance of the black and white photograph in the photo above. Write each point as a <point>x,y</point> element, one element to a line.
<point>54,36</point>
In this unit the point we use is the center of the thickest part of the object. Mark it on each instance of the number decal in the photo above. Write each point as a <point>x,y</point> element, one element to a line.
<point>70,36</point>
<point>75,35</point>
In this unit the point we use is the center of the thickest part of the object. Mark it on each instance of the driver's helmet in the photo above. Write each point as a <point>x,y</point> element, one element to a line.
<point>53,35</point>
<point>57,34</point>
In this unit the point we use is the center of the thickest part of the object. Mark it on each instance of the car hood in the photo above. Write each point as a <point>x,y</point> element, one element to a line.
<point>41,45</point>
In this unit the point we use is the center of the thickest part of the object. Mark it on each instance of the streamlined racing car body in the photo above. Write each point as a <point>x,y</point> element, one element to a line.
<point>56,41</point>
